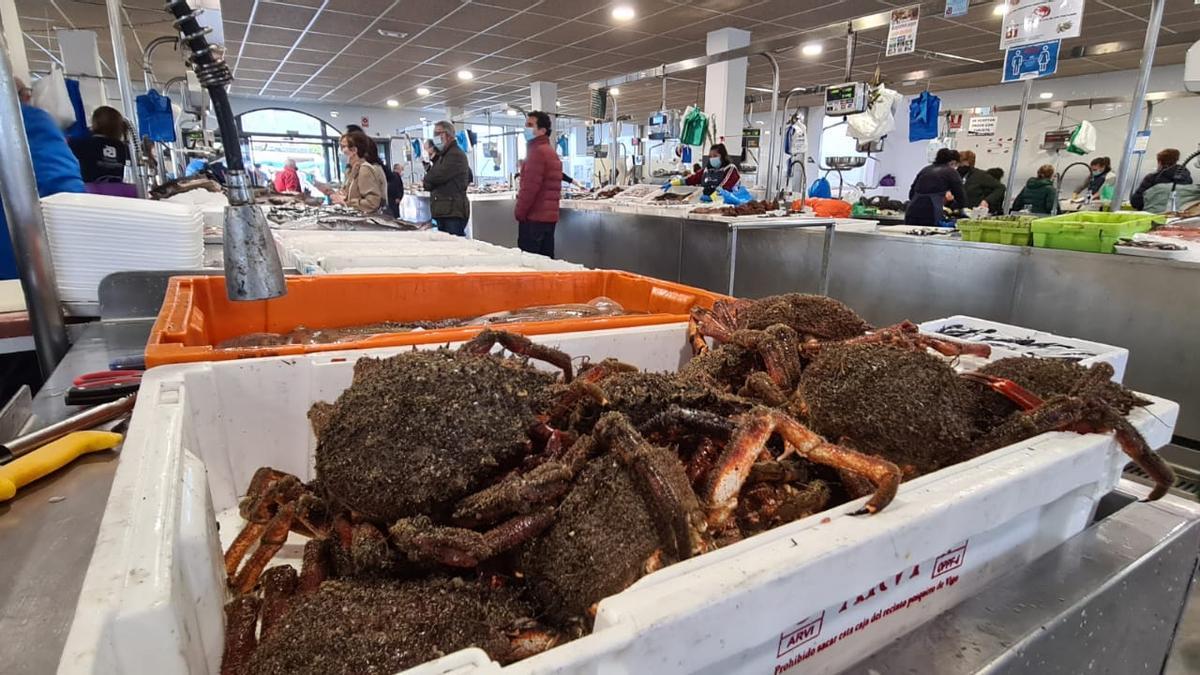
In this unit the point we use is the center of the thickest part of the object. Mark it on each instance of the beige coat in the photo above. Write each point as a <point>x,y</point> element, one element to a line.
<point>366,187</point>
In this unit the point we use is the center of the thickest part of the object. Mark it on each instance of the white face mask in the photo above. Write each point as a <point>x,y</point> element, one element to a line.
<point>714,162</point>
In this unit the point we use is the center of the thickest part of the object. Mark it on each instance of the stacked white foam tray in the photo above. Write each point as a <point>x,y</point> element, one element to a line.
<point>320,252</point>
<point>92,236</point>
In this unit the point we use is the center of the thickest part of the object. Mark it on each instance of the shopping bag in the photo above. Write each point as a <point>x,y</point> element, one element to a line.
<point>50,94</point>
<point>1083,139</point>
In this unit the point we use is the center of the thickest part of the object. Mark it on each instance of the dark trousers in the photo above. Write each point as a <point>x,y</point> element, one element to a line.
<point>536,238</point>
<point>456,226</point>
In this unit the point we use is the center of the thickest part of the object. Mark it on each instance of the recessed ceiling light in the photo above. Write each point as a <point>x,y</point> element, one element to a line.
<point>333,114</point>
<point>424,119</point>
<point>465,75</point>
<point>615,91</point>
<point>395,34</point>
<point>393,103</point>
<point>623,13</point>
<point>1000,9</point>
<point>422,91</point>
<point>1045,95</point>
<point>511,113</point>
<point>812,49</point>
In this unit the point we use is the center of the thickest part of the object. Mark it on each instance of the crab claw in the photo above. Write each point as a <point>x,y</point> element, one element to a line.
<point>1022,397</point>
<point>733,468</point>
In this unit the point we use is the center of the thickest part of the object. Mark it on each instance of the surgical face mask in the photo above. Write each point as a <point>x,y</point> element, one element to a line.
<point>714,162</point>
<point>529,136</point>
<point>1097,172</point>
<point>439,143</point>
<point>963,170</point>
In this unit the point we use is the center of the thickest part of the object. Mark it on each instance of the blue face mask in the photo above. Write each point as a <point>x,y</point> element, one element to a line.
<point>439,143</point>
<point>1097,173</point>
<point>714,162</point>
<point>529,134</point>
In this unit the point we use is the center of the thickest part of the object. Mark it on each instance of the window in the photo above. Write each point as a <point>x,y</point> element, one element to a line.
<point>285,122</point>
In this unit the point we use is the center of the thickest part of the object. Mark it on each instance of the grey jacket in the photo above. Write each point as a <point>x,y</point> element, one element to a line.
<point>447,182</point>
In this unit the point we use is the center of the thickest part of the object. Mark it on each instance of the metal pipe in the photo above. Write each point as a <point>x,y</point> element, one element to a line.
<point>147,55</point>
<point>1058,184</point>
<point>121,66</point>
<point>13,448</point>
<point>1009,196</point>
<point>1135,111</point>
<point>1137,169</point>
<point>774,125</point>
<point>613,145</point>
<point>24,212</point>
<point>664,93</point>
<point>851,42</point>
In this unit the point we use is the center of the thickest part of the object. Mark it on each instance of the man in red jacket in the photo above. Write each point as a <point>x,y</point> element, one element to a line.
<point>288,180</point>
<point>540,189</point>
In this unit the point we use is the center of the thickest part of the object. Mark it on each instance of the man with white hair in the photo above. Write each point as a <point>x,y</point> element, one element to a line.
<point>288,179</point>
<point>447,180</point>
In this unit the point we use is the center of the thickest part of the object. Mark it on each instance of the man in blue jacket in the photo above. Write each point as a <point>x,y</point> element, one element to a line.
<point>54,166</point>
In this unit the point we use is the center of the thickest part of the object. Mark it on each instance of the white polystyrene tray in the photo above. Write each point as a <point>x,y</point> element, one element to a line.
<point>152,598</point>
<point>1003,339</point>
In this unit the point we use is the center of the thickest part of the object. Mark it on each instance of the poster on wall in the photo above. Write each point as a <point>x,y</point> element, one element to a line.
<point>902,31</point>
<point>1031,61</point>
<point>959,7</point>
<point>1030,21</point>
<point>954,121</point>
<point>982,125</point>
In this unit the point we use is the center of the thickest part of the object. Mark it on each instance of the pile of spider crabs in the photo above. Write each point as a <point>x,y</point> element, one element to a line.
<point>466,498</point>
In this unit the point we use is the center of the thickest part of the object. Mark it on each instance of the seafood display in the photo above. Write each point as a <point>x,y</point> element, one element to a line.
<point>466,498</point>
<point>301,335</point>
<point>186,184</point>
<point>751,208</point>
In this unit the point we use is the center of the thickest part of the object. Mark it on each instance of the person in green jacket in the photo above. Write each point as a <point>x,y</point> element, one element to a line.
<point>1038,193</point>
<point>980,187</point>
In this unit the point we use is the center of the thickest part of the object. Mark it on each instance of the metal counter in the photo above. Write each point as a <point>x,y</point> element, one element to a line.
<point>1145,305</point>
<point>492,219</point>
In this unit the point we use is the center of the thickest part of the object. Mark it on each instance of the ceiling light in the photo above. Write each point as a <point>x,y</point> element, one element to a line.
<point>1000,8</point>
<point>1046,95</point>
<point>623,13</point>
<point>395,34</point>
<point>422,91</point>
<point>333,114</point>
<point>466,75</point>
<point>511,113</point>
<point>393,103</point>
<point>812,49</point>
<point>424,119</point>
<point>615,91</point>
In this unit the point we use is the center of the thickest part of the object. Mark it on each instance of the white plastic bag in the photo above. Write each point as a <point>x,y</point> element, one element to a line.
<point>878,120</point>
<point>1083,139</point>
<point>50,94</point>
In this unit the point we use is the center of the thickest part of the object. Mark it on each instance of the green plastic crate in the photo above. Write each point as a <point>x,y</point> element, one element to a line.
<point>1011,230</point>
<point>1091,232</point>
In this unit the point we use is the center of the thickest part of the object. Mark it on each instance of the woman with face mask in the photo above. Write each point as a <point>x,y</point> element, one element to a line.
<point>719,171</point>
<point>366,187</point>
<point>1101,167</point>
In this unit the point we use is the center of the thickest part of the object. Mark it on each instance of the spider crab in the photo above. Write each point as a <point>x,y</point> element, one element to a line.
<point>410,437</point>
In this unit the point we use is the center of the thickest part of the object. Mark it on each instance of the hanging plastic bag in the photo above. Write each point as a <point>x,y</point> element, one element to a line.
<point>1083,139</point>
<point>820,188</point>
<point>923,113</point>
<point>795,140</point>
<point>155,117</point>
<point>50,94</point>
<point>878,120</point>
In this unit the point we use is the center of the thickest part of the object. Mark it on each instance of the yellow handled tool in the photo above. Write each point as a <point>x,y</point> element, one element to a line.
<point>52,457</point>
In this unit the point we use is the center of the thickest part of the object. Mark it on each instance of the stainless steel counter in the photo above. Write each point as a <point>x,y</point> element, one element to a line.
<point>47,544</point>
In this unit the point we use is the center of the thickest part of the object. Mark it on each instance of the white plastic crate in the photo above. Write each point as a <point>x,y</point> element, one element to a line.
<point>1008,340</point>
<point>152,598</point>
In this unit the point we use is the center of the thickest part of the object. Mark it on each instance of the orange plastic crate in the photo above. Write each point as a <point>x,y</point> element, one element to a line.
<point>196,314</point>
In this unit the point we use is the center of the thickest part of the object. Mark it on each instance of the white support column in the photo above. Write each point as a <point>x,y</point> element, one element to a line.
<point>725,88</point>
<point>11,23</point>
<point>544,96</point>
<point>81,59</point>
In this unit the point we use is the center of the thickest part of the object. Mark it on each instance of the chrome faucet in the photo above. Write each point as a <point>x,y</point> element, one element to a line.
<point>1058,185</point>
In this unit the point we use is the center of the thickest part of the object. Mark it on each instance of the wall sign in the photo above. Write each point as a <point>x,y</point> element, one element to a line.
<point>902,30</point>
<point>957,7</point>
<point>1030,21</point>
<point>982,125</point>
<point>365,122</point>
<point>954,121</point>
<point>1141,142</point>
<point>1030,61</point>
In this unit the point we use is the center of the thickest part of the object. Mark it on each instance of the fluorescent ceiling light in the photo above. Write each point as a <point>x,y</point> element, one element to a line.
<point>812,49</point>
<point>623,13</point>
<point>615,91</point>
<point>512,113</point>
<point>393,103</point>
<point>1045,95</point>
<point>466,75</point>
<point>422,91</point>
<point>333,114</point>
<point>395,34</point>
<point>1000,9</point>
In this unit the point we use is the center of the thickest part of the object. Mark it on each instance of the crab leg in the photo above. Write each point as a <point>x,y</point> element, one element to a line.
<point>314,567</point>
<point>732,470</point>
<point>779,348</point>
<point>275,534</point>
<point>241,619</point>
<point>1022,397</point>
<point>544,483</point>
<point>519,344</point>
<point>251,533</point>
<point>278,585</point>
<point>675,417</point>
<point>423,541</point>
